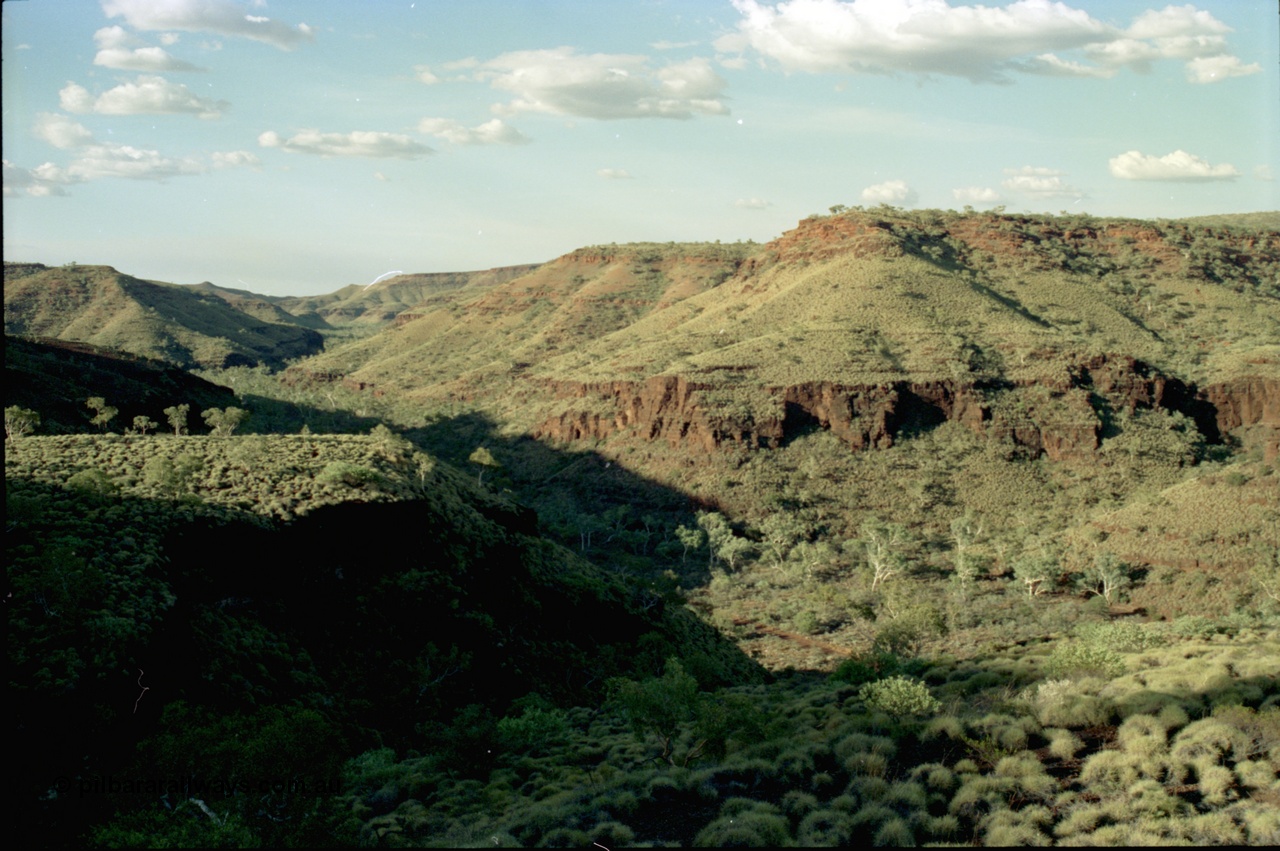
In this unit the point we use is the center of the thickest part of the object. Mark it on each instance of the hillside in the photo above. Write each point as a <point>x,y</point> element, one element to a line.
<point>181,325</point>
<point>375,596</point>
<point>387,299</point>
<point>56,377</point>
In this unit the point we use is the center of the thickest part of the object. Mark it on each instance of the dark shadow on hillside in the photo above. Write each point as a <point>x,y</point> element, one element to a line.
<point>387,622</point>
<point>618,519</point>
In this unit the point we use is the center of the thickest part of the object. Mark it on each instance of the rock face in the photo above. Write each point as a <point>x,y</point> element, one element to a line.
<point>673,408</point>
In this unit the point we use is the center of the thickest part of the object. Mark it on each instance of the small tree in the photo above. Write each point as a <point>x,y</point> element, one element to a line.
<point>1106,577</point>
<point>177,415</point>
<point>485,459</point>
<point>690,539</point>
<point>102,412</point>
<point>722,544</point>
<point>883,545</point>
<point>392,446</point>
<point>224,421</point>
<point>1035,571</point>
<point>19,422</point>
<point>142,424</point>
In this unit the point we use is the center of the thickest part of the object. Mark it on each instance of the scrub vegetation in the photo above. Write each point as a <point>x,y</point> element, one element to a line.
<point>590,552</point>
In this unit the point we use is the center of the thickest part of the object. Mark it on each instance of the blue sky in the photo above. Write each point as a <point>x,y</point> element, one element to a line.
<point>296,147</point>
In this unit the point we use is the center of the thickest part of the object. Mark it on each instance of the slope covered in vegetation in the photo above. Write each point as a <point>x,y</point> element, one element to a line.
<point>98,305</point>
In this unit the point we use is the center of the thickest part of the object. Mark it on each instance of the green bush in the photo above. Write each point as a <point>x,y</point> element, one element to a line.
<point>899,697</point>
<point>1077,659</point>
<point>346,473</point>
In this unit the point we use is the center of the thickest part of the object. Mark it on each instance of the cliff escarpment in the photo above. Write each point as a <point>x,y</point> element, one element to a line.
<point>1060,420</point>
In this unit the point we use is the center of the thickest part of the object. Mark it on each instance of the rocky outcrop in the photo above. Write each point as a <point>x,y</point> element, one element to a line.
<point>1063,426</point>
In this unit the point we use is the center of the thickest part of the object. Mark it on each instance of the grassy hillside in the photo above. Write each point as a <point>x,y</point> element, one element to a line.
<point>385,300</point>
<point>465,344</point>
<point>98,305</point>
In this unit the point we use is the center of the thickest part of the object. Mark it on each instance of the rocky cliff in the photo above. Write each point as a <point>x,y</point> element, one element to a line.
<point>1064,422</point>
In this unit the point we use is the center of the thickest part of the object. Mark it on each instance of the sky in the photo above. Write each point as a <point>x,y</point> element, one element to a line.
<point>292,147</point>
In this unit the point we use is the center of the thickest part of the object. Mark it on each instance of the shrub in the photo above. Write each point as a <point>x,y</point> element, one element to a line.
<point>894,833</point>
<point>899,697</point>
<point>1120,637</point>
<point>346,473</point>
<point>19,422</point>
<point>1077,659</point>
<point>867,668</point>
<point>1063,744</point>
<point>1194,626</point>
<point>759,826</point>
<point>1142,735</point>
<point>93,482</point>
<point>534,727</point>
<point>829,828</point>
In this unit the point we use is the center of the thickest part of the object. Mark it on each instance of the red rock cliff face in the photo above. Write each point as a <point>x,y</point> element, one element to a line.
<point>670,408</point>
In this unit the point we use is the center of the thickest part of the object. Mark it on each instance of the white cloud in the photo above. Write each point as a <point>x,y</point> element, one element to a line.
<point>1215,69</point>
<point>603,86</point>
<point>889,192</point>
<point>613,173</point>
<point>672,45</point>
<point>976,195</point>
<point>235,159</point>
<point>1263,172</point>
<point>141,59</point>
<point>148,95</point>
<point>1055,66</point>
<point>909,36</point>
<point>493,132</point>
<point>34,182</point>
<point>752,204</point>
<point>61,131</point>
<point>97,161</point>
<point>1178,166</point>
<point>118,48</point>
<point>977,42</point>
<point>425,75</point>
<point>92,160</point>
<point>213,16</point>
<point>358,143</point>
<point>1039,182</point>
<point>1175,21</point>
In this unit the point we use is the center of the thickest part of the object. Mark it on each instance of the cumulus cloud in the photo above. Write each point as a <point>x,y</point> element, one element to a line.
<point>425,75</point>
<point>752,204</point>
<point>975,195</point>
<point>1039,182</point>
<point>212,16</point>
<point>613,173</point>
<point>604,86</point>
<point>235,159</point>
<point>148,95</point>
<point>977,42</point>
<point>92,159</point>
<point>1215,69</point>
<point>61,131</point>
<point>494,132</point>
<point>358,143</point>
<point>37,182</point>
<point>117,49</point>
<point>1178,166</point>
<point>890,192</point>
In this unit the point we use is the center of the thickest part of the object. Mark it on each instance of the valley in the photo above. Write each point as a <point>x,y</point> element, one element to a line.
<point>905,526</point>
